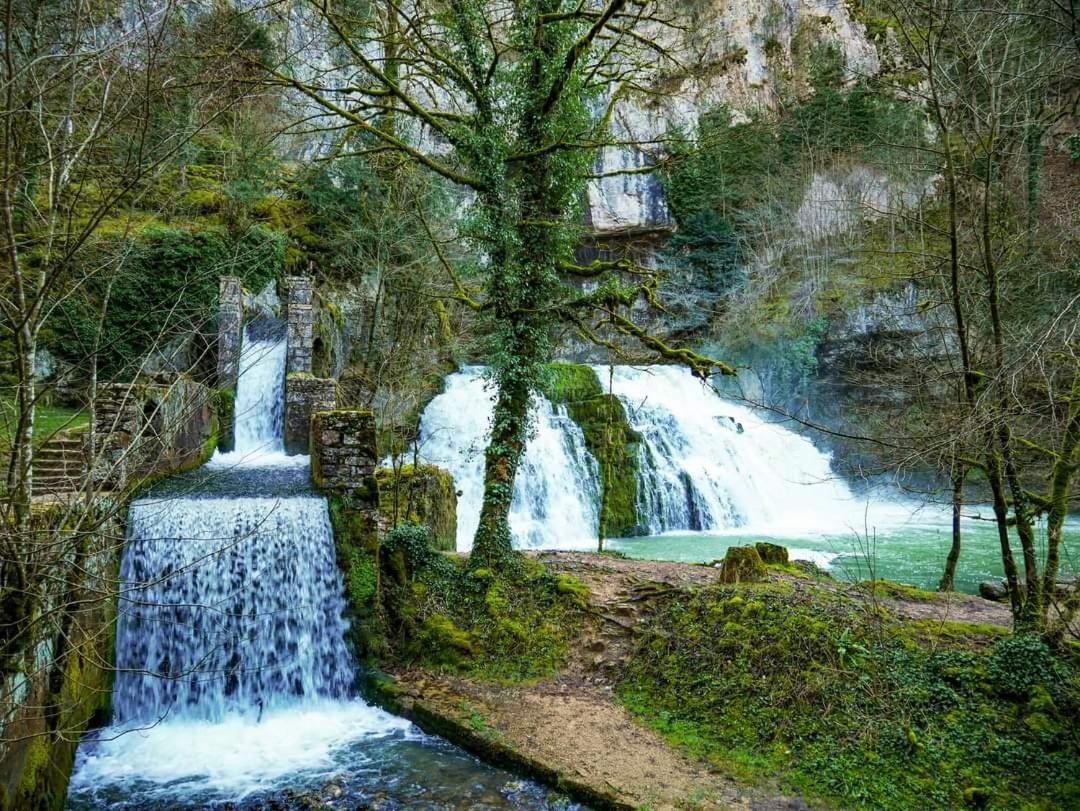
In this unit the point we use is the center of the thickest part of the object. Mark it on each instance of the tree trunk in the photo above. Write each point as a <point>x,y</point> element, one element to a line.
<point>492,545</point>
<point>1061,475</point>
<point>948,578</point>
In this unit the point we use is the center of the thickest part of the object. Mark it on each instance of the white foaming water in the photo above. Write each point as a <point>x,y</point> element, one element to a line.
<point>231,607</point>
<point>259,407</point>
<point>556,491</point>
<point>708,463</point>
<point>232,668</point>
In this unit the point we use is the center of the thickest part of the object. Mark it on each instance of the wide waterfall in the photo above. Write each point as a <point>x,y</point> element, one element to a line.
<point>557,488</point>
<point>707,463</point>
<point>247,619</point>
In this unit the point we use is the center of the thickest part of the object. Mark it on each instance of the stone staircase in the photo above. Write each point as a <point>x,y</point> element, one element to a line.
<point>59,464</point>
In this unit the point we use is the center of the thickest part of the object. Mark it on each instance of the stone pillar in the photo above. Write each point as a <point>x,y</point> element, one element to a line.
<point>343,453</point>
<point>301,324</point>
<point>305,395</point>
<point>230,323</point>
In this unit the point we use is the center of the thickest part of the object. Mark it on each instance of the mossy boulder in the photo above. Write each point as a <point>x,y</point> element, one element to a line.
<point>420,494</point>
<point>741,563</point>
<point>772,554</point>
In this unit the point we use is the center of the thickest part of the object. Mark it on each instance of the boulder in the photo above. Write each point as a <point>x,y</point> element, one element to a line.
<point>741,563</point>
<point>996,590</point>
<point>771,553</point>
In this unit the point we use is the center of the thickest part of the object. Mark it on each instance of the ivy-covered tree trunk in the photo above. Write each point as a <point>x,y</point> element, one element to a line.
<point>492,544</point>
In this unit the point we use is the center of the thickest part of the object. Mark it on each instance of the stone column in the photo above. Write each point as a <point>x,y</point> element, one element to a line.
<point>343,455</point>
<point>301,324</point>
<point>230,322</point>
<point>305,395</point>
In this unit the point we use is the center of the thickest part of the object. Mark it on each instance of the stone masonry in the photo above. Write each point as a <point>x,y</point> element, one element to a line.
<point>343,452</point>
<point>305,395</point>
<point>301,324</point>
<point>147,428</point>
<point>230,324</point>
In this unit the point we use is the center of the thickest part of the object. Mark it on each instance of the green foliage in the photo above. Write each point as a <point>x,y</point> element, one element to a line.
<point>1019,664</point>
<point>166,284</point>
<point>422,495</point>
<point>852,706</point>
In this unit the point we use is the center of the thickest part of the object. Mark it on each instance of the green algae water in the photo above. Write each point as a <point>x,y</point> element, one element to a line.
<point>911,552</point>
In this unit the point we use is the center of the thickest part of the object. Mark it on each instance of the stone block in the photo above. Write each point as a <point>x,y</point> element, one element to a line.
<point>304,396</point>
<point>343,454</point>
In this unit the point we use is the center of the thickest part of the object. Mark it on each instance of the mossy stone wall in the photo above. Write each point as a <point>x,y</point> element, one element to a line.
<point>420,494</point>
<point>57,673</point>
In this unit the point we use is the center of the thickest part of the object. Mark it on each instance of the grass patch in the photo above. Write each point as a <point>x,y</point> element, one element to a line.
<point>855,708</point>
<point>48,421</point>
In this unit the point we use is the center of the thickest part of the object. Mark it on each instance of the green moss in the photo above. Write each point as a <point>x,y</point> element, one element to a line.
<point>772,554</point>
<point>225,406</point>
<point>356,542</point>
<point>423,494</point>
<point>608,436</point>
<point>741,563</point>
<point>508,628</point>
<point>855,709</point>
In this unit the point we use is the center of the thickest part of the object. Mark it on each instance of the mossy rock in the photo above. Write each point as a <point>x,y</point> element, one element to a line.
<point>420,494</point>
<point>608,437</point>
<point>772,554</point>
<point>742,563</point>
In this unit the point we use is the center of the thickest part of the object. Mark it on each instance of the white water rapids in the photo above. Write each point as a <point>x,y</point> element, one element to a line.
<point>707,464</point>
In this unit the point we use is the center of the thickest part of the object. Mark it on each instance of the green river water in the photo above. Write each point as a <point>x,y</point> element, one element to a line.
<point>909,552</point>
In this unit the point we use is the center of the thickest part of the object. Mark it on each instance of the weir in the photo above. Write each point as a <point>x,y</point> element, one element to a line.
<point>234,681</point>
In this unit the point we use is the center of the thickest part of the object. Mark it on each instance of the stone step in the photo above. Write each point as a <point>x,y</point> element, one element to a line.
<point>57,468</point>
<point>53,455</point>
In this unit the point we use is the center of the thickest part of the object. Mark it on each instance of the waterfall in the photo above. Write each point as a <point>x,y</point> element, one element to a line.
<point>259,405</point>
<point>706,463</point>
<point>232,606</point>
<point>232,667</point>
<point>556,492</point>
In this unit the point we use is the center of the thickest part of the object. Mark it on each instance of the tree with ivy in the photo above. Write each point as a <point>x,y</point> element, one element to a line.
<point>511,102</point>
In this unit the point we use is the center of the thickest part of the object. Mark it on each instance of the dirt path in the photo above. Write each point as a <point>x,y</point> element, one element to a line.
<point>570,727</point>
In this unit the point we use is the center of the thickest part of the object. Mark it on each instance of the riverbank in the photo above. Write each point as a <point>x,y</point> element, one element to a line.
<point>678,691</point>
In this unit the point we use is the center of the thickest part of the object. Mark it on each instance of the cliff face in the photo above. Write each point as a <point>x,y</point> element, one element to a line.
<point>719,53</point>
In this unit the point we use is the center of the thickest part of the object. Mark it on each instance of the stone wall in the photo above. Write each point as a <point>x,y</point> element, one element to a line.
<point>304,396</point>
<point>343,464</point>
<point>230,325</point>
<point>343,454</point>
<point>56,649</point>
<point>148,429</point>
